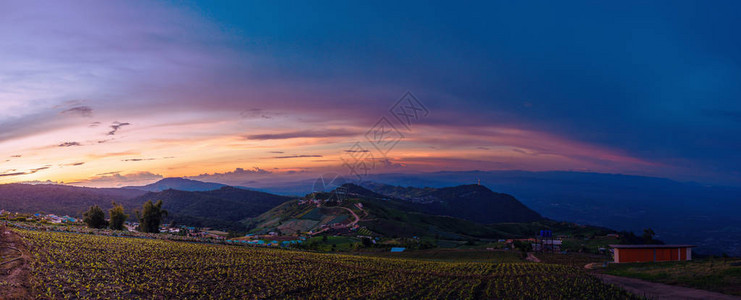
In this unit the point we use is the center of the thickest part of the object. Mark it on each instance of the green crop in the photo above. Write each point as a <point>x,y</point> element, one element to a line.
<point>81,266</point>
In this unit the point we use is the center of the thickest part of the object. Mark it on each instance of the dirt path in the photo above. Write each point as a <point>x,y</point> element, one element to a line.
<point>13,272</point>
<point>532,258</point>
<point>652,290</point>
<point>357,219</point>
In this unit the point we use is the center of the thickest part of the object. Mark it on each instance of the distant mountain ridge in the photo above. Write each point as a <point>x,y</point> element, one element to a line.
<point>223,208</point>
<point>678,212</point>
<point>180,184</point>
<point>61,199</point>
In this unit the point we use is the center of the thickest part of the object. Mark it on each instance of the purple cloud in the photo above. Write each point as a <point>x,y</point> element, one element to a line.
<point>82,111</point>
<point>304,134</point>
<point>116,126</point>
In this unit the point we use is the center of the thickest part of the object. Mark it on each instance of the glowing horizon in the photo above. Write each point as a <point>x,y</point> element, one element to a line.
<point>111,94</point>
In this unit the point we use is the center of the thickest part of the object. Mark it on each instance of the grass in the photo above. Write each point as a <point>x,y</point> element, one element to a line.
<point>717,274</point>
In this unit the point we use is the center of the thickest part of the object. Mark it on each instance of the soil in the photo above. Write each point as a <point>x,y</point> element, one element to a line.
<point>14,267</point>
<point>532,258</point>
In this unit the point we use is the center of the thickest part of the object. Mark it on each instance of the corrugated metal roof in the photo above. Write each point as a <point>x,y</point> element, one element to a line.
<point>650,246</point>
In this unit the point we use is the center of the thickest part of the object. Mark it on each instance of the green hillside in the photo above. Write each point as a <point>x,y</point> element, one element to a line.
<point>471,202</point>
<point>384,217</point>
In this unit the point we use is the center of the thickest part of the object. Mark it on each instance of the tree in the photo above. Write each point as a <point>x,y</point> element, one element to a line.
<point>95,217</point>
<point>523,246</point>
<point>118,217</point>
<point>151,216</point>
<point>648,236</point>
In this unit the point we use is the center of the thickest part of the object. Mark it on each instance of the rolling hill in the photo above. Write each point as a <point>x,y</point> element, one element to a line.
<point>391,217</point>
<point>471,202</point>
<point>61,199</point>
<point>223,208</point>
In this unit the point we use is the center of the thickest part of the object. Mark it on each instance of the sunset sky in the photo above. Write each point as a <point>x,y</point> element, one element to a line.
<point>115,93</point>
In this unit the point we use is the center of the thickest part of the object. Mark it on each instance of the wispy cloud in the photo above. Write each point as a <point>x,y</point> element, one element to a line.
<point>9,173</point>
<point>113,154</point>
<point>239,176</point>
<point>298,156</point>
<point>237,171</point>
<point>117,179</point>
<point>117,126</point>
<point>304,134</point>
<point>257,113</point>
<point>82,111</point>
<point>145,159</point>
<point>69,144</point>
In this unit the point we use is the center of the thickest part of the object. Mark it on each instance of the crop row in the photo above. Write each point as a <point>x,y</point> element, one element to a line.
<point>88,266</point>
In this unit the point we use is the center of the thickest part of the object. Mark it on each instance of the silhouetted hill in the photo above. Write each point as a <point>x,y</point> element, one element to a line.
<point>180,184</point>
<point>222,208</point>
<point>471,202</point>
<point>61,199</point>
<point>354,190</point>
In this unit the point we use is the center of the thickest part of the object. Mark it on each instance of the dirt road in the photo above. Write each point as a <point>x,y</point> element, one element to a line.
<point>652,290</point>
<point>13,266</point>
<point>357,219</point>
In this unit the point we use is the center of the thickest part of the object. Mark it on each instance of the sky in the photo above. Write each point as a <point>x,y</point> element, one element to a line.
<point>116,93</point>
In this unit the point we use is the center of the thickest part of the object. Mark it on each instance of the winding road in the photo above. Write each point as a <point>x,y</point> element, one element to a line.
<point>653,290</point>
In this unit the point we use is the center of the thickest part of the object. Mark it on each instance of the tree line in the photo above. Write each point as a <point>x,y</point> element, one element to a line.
<point>150,217</point>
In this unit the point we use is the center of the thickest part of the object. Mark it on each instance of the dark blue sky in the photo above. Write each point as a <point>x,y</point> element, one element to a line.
<point>645,88</point>
<point>657,79</point>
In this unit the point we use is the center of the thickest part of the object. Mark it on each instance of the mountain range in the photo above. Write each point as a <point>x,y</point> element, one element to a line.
<point>678,212</point>
<point>223,207</point>
<point>199,205</point>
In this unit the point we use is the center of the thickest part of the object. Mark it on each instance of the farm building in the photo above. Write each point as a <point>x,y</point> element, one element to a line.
<point>547,245</point>
<point>651,253</point>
